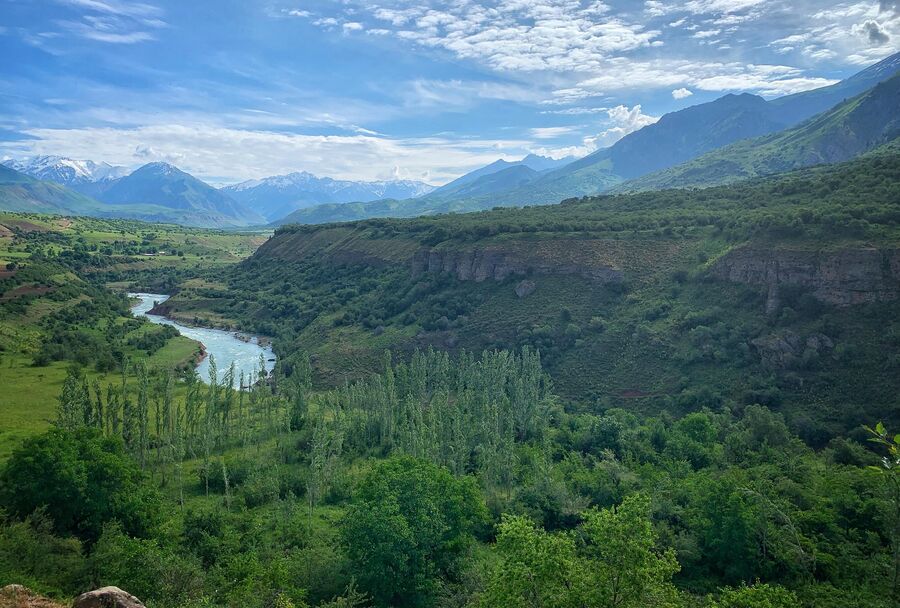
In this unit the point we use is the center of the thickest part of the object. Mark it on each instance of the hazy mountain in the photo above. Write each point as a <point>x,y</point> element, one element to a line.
<point>842,133</point>
<point>800,106</point>
<point>66,171</point>
<point>21,192</point>
<point>533,162</point>
<point>164,185</point>
<point>275,197</point>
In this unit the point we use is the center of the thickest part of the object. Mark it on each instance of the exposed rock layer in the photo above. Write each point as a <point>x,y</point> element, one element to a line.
<point>495,263</point>
<point>843,277</point>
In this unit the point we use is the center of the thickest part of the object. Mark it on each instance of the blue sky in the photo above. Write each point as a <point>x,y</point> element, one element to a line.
<point>372,89</point>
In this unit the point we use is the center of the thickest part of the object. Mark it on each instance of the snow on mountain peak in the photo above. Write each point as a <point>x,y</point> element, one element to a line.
<point>66,171</point>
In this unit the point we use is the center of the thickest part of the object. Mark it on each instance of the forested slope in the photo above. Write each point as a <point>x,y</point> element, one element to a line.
<point>781,290</point>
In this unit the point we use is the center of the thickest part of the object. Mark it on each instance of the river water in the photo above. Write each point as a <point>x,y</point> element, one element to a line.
<point>226,346</point>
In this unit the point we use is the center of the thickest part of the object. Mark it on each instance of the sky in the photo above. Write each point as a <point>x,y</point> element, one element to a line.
<point>378,89</point>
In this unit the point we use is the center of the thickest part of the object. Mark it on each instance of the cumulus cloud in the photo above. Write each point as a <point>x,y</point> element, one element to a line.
<point>681,93</point>
<point>537,35</point>
<point>874,32</point>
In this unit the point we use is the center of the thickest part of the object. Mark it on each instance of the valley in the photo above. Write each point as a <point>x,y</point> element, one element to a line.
<point>657,368</point>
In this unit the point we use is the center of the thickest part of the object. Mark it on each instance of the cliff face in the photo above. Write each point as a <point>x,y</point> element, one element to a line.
<point>496,263</point>
<point>601,260</point>
<point>842,278</point>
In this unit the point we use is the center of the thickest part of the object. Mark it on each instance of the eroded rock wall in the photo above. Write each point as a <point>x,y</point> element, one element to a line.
<point>841,277</point>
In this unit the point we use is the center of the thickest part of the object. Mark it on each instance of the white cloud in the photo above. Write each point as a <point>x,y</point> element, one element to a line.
<point>460,94</point>
<point>657,8</point>
<point>681,93</point>
<point>113,7</point>
<point>551,132</point>
<point>575,111</point>
<point>513,35</point>
<point>218,153</point>
<point>113,21</point>
<point>623,75</point>
<point>621,120</point>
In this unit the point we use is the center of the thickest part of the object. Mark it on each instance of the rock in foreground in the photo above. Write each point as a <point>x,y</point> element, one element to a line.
<point>107,597</point>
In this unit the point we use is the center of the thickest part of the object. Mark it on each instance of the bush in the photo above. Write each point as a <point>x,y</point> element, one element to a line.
<point>82,480</point>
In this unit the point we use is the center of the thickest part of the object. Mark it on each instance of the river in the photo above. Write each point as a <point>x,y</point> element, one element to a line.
<point>227,347</point>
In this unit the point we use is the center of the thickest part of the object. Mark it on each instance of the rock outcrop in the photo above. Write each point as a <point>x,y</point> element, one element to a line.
<point>525,288</point>
<point>497,263</point>
<point>788,349</point>
<point>107,597</point>
<point>842,277</point>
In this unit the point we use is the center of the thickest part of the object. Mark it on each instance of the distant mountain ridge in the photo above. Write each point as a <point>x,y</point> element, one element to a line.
<point>66,171</point>
<point>274,197</point>
<point>848,130</point>
<point>21,192</point>
<point>168,186</point>
<point>155,192</point>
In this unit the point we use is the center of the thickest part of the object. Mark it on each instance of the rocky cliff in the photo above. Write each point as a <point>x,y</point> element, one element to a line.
<point>596,259</point>
<point>840,277</point>
<point>498,263</point>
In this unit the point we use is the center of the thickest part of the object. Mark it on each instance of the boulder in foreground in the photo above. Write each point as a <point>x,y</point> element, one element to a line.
<point>107,597</point>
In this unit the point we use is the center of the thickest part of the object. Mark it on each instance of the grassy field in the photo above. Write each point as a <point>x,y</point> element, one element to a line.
<point>30,394</point>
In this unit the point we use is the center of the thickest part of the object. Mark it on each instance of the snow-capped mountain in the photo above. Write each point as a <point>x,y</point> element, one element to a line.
<point>67,171</point>
<point>277,196</point>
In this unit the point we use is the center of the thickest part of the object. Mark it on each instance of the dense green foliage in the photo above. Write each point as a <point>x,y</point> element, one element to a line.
<point>407,528</point>
<point>604,507</point>
<point>621,443</point>
<point>609,562</point>
<point>79,481</point>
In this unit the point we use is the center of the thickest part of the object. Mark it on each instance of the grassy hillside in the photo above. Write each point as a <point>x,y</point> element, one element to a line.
<point>625,296</point>
<point>19,192</point>
<point>851,128</point>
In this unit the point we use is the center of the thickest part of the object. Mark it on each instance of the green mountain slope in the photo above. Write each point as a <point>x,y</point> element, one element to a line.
<point>848,130</point>
<point>19,192</point>
<point>164,185</point>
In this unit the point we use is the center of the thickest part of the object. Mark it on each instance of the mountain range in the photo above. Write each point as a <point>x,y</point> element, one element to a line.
<point>851,128</point>
<point>162,192</point>
<point>66,171</point>
<point>733,137</point>
<point>676,138</point>
<point>276,197</point>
